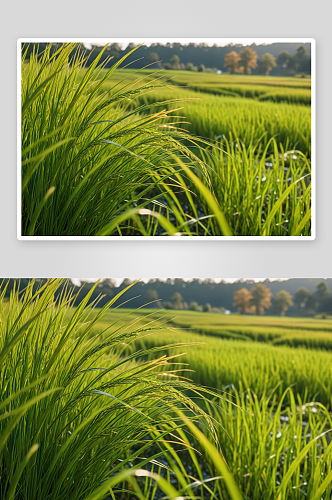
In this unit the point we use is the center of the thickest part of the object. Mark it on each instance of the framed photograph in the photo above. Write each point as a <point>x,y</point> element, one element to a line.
<point>158,138</point>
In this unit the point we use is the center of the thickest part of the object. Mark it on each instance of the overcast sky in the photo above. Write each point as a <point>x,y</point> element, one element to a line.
<point>118,281</point>
<point>184,41</point>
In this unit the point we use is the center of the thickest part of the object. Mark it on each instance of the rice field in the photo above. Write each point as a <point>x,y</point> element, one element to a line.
<point>273,330</point>
<point>99,403</point>
<point>117,152</point>
<point>282,389</point>
<point>296,90</point>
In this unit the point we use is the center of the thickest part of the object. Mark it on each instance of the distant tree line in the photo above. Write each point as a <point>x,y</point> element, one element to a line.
<point>295,297</point>
<point>247,60</point>
<point>275,58</point>
<point>259,299</point>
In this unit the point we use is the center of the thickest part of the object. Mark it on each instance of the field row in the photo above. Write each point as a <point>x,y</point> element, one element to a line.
<point>276,89</point>
<point>297,332</point>
<point>220,118</point>
<point>228,364</point>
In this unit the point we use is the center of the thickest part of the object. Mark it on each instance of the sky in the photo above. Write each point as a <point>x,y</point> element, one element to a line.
<point>184,41</point>
<point>118,281</point>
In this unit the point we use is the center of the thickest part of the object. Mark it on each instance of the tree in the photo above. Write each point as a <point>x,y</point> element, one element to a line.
<point>191,67</point>
<point>266,63</point>
<point>302,59</point>
<point>152,296</point>
<point>300,297</point>
<point>201,68</point>
<point>194,306</point>
<point>323,296</point>
<point>126,282</point>
<point>322,289</point>
<point>261,298</point>
<point>311,302</point>
<point>283,302</point>
<point>286,61</point>
<point>207,308</point>
<point>108,286</point>
<point>301,53</point>
<point>242,300</point>
<point>232,62</point>
<point>283,58</point>
<point>248,60</point>
<point>114,50</point>
<point>304,299</point>
<point>153,58</point>
<point>131,46</point>
<point>177,300</point>
<point>175,61</point>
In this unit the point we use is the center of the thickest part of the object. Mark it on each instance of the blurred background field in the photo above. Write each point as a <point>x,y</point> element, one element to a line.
<point>257,353</point>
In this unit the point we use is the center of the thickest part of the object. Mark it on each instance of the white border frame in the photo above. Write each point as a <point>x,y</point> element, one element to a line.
<point>312,41</point>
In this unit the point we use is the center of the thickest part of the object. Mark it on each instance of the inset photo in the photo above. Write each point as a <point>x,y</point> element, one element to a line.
<point>170,389</point>
<point>151,138</point>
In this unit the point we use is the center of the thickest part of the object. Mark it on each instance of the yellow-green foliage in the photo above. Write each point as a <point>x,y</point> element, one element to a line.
<point>268,329</point>
<point>265,437</point>
<point>285,89</point>
<point>89,167</point>
<point>74,412</point>
<point>274,428</point>
<point>263,149</point>
<point>253,351</point>
<point>246,119</point>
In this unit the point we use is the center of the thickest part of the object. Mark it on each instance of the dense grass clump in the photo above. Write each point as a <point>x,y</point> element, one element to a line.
<point>267,441</point>
<point>91,166</point>
<point>79,419</point>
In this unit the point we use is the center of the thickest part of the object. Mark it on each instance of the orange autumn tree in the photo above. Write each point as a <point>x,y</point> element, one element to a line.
<point>232,62</point>
<point>242,300</point>
<point>261,298</point>
<point>248,60</point>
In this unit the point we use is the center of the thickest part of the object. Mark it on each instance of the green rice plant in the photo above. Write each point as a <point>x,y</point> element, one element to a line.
<point>252,193</point>
<point>94,406</point>
<point>227,362</point>
<point>259,193</point>
<point>277,441</point>
<point>288,95</point>
<point>309,333</point>
<point>90,165</point>
<point>250,121</point>
<point>79,418</point>
<point>276,448</point>
<point>193,79</point>
<point>190,78</point>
